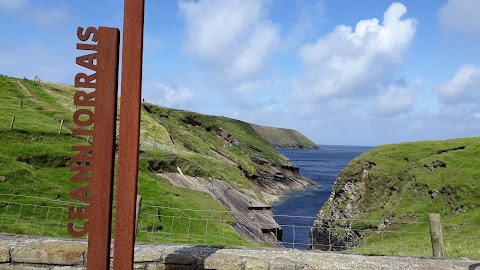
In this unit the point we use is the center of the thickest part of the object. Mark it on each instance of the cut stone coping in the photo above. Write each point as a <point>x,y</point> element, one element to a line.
<point>32,252</point>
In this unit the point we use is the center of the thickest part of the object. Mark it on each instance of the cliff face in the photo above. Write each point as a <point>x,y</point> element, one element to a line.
<point>248,161</point>
<point>225,154</point>
<point>273,181</point>
<point>250,206</point>
<point>395,186</point>
<point>333,227</point>
<point>283,137</point>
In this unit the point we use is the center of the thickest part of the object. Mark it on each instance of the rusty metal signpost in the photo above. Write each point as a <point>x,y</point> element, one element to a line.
<point>130,103</point>
<point>95,117</point>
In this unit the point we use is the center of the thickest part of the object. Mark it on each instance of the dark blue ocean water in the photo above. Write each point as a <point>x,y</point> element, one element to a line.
<point>297,211</point>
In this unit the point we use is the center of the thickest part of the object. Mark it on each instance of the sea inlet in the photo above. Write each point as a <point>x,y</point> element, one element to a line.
<point>297,211</point>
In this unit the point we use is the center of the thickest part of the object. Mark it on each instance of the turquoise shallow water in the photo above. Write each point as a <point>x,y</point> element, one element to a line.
<point>296,212</point>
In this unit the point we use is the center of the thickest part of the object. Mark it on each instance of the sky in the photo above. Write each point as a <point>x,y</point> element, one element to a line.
<point>342,72</point>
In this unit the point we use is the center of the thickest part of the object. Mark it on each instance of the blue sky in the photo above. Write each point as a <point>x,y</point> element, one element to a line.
<point>341,72</point>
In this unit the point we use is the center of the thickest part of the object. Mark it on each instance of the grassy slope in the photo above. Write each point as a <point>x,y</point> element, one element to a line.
<point>409,181</point>
<point>34,161</point>
<point>284,138</point>
<point>197,137</point>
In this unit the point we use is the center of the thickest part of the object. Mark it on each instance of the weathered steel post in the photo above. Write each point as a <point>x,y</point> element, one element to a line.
<point>104,151</point>
<point>94,164</point>
<point>130,103</point>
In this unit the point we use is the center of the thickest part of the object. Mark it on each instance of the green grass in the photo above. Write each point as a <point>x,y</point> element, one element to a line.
<point>197,137</point>
<point>169,215</point>
<point>410,180</point>
<point>284,138</point>
<point>35,160</point>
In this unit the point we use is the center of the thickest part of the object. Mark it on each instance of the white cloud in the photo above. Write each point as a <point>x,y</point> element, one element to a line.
<point>461,16</point>
<point>170,95</point>
<point>460,120</point>
<point>12,4</point>
<point>244,92</point>
<point>462,88</point>
<point>347,63</point>
<point>232,37</point>
<point>395,100</point>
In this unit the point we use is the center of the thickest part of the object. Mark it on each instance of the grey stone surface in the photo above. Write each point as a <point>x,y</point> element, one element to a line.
<point>49,252</point>
<point>282,264</point>
<point>146,253</point>
<point>224,259</point>
<point>33,253</point>
<point>256,264</point>
<point>21,267</point>
<point>69,268</point>
<point>156,266</point>
<point>4,254</point>
<point>179,258</point>
<point>139,266</point>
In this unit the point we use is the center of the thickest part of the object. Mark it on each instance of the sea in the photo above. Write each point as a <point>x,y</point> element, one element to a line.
<point>297,211</point>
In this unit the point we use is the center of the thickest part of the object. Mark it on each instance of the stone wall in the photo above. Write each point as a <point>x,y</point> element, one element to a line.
<point>34,253</point>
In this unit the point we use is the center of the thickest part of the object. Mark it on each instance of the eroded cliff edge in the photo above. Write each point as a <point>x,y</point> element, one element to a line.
<point>225,158</point>
<point>393,188</point>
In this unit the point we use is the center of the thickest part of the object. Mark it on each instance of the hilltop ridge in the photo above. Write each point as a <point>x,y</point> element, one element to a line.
<point>284,137</point>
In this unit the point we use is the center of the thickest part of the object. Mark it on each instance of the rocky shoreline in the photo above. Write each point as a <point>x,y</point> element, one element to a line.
<point>253,214</point>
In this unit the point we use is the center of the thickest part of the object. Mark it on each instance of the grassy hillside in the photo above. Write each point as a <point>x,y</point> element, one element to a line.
<point>398,184</point>
<point>284,138</point>
<point>212,141</point>
<point>35,160</point>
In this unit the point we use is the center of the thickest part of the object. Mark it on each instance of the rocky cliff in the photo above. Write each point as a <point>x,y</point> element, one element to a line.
<point>333,227</point>
<point>229,160</point>
<point>393,187</point>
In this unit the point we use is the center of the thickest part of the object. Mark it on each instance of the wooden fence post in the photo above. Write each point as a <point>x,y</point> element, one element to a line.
<point>436,235</point>
<point>13,122</point>
<point>61,127</point>
<point>88,137</point>
<point>137,212</point>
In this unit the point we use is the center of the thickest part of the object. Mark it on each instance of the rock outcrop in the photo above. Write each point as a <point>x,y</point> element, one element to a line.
<point>230,160</point>
<point>273,181</point>
<point>390,190</point>
<point>334,228</point>
<point>254,219</point>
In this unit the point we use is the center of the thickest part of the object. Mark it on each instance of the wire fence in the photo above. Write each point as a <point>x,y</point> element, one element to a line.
<point>156,144</point>
<point>33,215</point>
<point>40,216</point>
<point>178,225</point>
